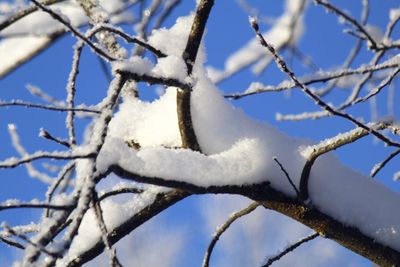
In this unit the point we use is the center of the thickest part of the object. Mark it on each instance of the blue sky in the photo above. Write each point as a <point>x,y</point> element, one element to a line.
<point>228,30</point>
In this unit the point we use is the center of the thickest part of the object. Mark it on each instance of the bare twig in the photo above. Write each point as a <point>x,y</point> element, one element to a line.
<point>288,177</point>
<point>12,243</point>
<point>11,205</point>
<point>232,218</point>
<point>289,249</point>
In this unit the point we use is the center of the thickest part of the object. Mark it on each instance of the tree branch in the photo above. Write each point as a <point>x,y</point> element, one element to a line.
<point>188,135</point>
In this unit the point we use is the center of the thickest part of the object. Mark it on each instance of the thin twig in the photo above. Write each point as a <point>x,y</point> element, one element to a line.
<point>287,176</point>
<point>36,91</point>
<point>74,31</point>
<point>321,78</point>
<point>24,12</point>
<point>46,107</point>
<point>382,164</point>
<point>232,218</point>
<point>63,173</point>
<point>114,261</point>
<point>10,205</point>
<point>32,171</point>
<point>282,65</point>
<point>350,19</point>
<point>12,243</point>
<point>119,191</point>
<point>289,249</point>
<point>58,155</point>
<point>26,239</point>
<point>382,85</point>
<point>45,134</point>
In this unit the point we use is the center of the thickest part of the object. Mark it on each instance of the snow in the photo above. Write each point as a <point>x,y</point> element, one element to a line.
<point>167,67</point>
<point>134,64</point>
<point>394,14</point>
<point>236,150</point>
<point>171,67</point>
<point>239,151</point>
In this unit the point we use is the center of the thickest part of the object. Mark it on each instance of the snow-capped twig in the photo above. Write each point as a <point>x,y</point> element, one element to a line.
<point>382,164</point>
<point>62,174</point>
<point>32,171</point>
<point>289,249</point>
<point>131,39</point>
<point>58,155</point>
<point>45,134</point>
<point>46,107</point>
<point>321,77</point>
<point>153,80</point>
<point>88,181</point>
<point>221,229</point>
<point>377,89</point>
<point>282,65</point>
<point>76,32</point>
<point>36,91</point>
<point>113,259</point>
<point>313,152</point>
<point>26,239</point>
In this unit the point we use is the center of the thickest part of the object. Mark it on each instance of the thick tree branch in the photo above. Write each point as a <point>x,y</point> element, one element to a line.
<point>162,202</point>
<point>310,216</point>
<point>188,135</point>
